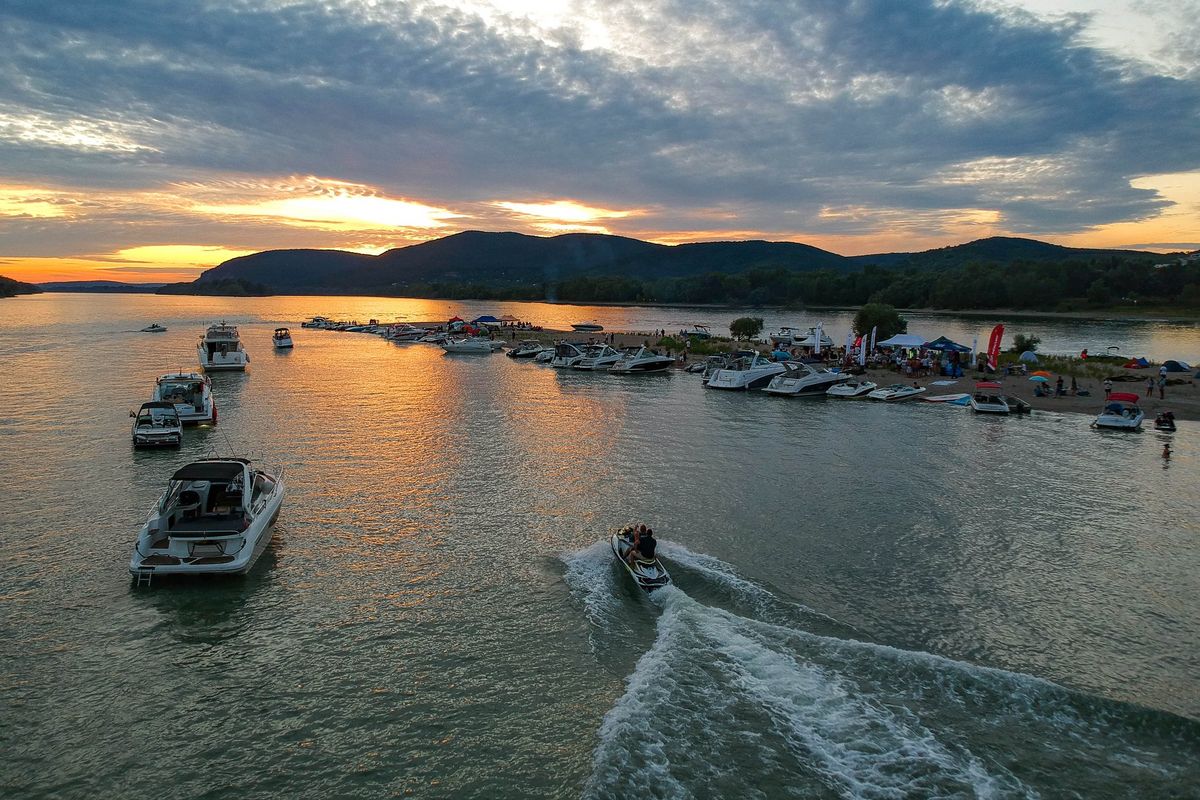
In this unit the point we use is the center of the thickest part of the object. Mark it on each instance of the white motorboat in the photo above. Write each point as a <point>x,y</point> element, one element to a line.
<point>809,339</point>
<point>404,333</point>
<point>221,348</point>
<point>896,392</point>
<point>282,338</point>
<point>799,337</point>
<point>1016,405</point>
<point>1121,412</point>
<point>214,517</point>
<point>437,337</point>
<point>190,393</point>
<point>471,345</point>
<point>588,327</point>
<point>641,361</point>
<point>598,357</point>
<point>699,332</point>
<point>153,328</point>
<point>987,398</point>
<point>544,357</point>
<point>530,348</point>
<point>804,380</point>
<point>156,424</point>
<point>567,354</point>
<point>748,372</point>
<point>955,399</point>
<point>852,389</point>
<point>315,322</point>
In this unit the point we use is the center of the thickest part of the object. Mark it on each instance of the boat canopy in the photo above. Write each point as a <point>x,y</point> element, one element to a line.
<point>210,471</point>
<point>158,404</point>
<point>988,385</point>
<point>1123,397</point>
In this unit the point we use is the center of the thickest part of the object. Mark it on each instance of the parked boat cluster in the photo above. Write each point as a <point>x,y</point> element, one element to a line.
<point>215,515</point>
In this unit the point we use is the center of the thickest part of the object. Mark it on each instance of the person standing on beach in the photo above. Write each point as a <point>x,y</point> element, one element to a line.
<point>1107,388</point>
<point>1149,387</point>
<point>1058,387</point>
<point>1162,386</point>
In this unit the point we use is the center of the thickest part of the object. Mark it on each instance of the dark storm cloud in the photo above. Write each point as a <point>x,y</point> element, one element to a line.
<point>780,109</point>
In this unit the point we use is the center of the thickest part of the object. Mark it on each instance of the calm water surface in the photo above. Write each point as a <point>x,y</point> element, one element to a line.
<point>871,601</point>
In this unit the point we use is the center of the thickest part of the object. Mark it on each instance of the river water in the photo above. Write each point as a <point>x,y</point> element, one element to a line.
<point>870,601</point>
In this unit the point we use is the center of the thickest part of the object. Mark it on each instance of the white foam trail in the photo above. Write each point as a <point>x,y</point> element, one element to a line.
<point>589,575</point>
<point>719,694</point>
<point>724,574</point>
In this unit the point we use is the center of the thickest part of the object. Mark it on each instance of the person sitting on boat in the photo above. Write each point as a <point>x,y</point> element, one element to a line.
<point>644,547</point>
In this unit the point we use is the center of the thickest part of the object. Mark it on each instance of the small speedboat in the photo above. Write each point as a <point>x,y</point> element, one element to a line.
<point>214,517</point>
<point>1121,412</point>
<point>155,328</point>
<point>1165,421</point>
<point>544,357</point>
<point>568,354</point>
<point>587,327</point>
<point>315,322</point>
<point>642,360</point>
<point>467,346</point>
<point>1016,405</point>
<point>404,333</point>
<point>191,395</point>
<point>896,392</point>
<point>649,575</point>
<point>156,424</point>
<point>852,389</point>
<point>282,338</point>
<point>987,399</point>
<point>530,348</point>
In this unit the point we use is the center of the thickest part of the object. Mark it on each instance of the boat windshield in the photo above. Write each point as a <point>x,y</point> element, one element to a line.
<point>157,417</point>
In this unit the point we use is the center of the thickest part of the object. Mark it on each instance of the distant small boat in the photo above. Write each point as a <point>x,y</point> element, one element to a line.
<point>282,338</point>
<point>959,399</point>
<point>588,327</point>
<point>852,389</point>
<point>155,328</point>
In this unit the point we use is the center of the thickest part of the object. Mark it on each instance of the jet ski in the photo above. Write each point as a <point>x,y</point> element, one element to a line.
<point>1165,421</point>
<point>649,575</point>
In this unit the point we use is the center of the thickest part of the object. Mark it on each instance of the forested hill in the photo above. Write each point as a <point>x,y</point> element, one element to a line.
<point>12,288</point>
<point>996,250</point>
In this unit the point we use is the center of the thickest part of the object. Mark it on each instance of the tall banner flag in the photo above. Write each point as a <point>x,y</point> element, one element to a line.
<point>993,351</point>
<point>862,350</point>
<point>849,341</point>
<point>974,350</point>
<point>873,332</point>
<point>817,334</point>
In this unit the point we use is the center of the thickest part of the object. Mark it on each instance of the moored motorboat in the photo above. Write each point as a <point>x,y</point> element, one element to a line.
<point>956,399</point>
<point>896,392</point>
<point>282,338</point>
<point>643,360</point>
<point>1165,421</point>
<point>747,372</point>
<point>214,517</point>
<point>472,345</point>
<point>544,357</point>
<point>404,333</point>
<point>852,389</point>
<point>315,322</point>
<point>190,393</point>
<point>649,574</point>
<point>1121,412</point>
<point>156,424</point>
<point>987,399</point>
<point>1016,405</point>
<point>530,348</point>
<point>567,354</point>
<point>804,380</point>
<point>153,328</point>
<point>598,357</point>
<point>221,349</point>
<point>587,327</point>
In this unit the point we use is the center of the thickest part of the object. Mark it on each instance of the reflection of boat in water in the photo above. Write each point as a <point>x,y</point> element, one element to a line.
<point>896,392</point>
<point>191,393</point>
<point>804,380</point>
<point>221,348</point>
<point>156,424</point>
<point>1121,412</point>
<point>214,518</point>
<point>648,574</point>
<point>852,389</point>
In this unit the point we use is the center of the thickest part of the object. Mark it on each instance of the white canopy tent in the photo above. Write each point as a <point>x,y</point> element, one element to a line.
<point>903,340</point>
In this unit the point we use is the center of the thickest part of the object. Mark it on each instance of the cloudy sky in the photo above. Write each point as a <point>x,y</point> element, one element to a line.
<point>149,139</point>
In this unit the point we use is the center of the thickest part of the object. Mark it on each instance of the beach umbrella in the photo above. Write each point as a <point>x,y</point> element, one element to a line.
<point>1041,372</point>
<point>1040,378</point>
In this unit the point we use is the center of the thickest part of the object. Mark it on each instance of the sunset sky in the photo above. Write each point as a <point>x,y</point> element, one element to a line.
<point>146,141</point>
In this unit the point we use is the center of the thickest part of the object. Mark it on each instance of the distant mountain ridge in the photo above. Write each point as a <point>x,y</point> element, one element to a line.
<point>11,288</point>
<point>510,259</point>
<point>99,286</point>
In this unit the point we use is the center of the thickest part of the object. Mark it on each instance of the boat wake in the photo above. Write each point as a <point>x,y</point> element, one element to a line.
<point>727,704</point>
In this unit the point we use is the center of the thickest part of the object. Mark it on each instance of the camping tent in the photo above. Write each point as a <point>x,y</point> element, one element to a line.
<point>1136,363</point>
<point>903,340</point>
<point>945,345</point>
<point>486,319</point>
<point>1029,357</point>
<point>1176,366</point>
